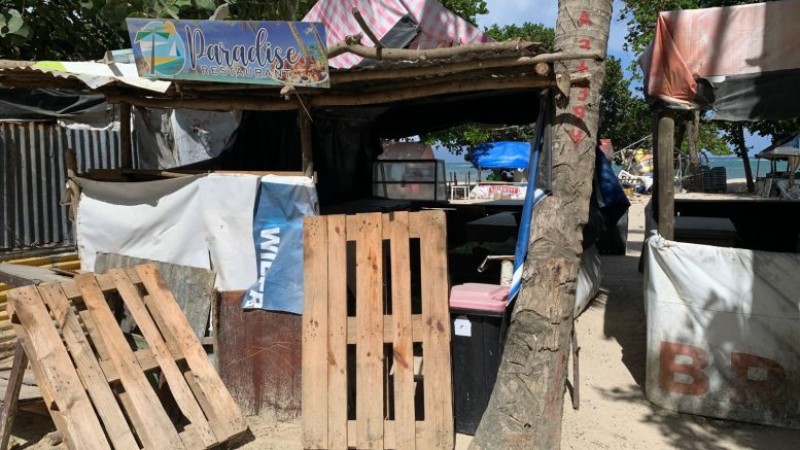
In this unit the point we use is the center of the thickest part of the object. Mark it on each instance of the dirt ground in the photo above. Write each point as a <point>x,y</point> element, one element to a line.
<point>614,413</point>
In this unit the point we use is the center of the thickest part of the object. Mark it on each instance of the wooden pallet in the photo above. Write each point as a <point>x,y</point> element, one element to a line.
<point>385,412</point>
<point>101,390</point>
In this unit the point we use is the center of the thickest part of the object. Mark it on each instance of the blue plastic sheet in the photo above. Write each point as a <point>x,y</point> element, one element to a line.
<point>502,155</point>
<point>532,198</point>
<point>278,235</point>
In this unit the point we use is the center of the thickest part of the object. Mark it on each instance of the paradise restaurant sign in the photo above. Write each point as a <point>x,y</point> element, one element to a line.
<point>272,53</point>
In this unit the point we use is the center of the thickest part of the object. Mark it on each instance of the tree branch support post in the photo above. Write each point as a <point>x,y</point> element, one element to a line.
<point>304,124</point>
<point>665,173</point>
<point>125,148</point>
<point>526,406</point>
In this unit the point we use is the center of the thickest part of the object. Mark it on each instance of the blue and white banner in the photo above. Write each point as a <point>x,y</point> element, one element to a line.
<point>281,205</point>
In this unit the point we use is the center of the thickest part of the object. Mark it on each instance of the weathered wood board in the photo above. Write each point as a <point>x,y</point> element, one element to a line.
<point>259,357</point>
<point>383,407</point>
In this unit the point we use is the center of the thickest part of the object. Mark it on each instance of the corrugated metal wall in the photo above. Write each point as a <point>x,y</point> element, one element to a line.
<point>32,178</point>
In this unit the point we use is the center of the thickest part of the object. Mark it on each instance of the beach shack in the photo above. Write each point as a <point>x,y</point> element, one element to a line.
<point>780,183</point>
<point>722,319</point>
<point>207,158</point>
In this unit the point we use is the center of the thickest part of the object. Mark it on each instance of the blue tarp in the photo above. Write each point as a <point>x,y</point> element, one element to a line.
<point>282,204</point>
<point>610,193</point>
<point>502,155</point>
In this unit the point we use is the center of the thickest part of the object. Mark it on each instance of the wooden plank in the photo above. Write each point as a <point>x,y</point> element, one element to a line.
<point>192,288</point>
<point>260,357</point>
<point>430,225</point>
<point>395,227</point>
<point>337,332</point>
<point>12,394</point>
<point>369,316</point>
<point>147,362</point>
<point>88,368</point>
<point>225,416</point>
<point>94,334</point>
<point>18,275</point>
<point>105,283</point>
<point>44,389</point>
<point>665,187</point>
<point>388,329</point>
<point>389,433</point>
<point>169,368</point>
<point>156,429</point>
<point>315,333</point>
<point>125,142</point>
<point>55,372</point>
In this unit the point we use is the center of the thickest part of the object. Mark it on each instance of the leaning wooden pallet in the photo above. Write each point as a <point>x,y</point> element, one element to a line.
<point>385,413</point>
<point>99,388</point>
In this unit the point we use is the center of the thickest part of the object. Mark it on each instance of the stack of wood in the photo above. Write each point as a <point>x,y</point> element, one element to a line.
<point>150,387</point>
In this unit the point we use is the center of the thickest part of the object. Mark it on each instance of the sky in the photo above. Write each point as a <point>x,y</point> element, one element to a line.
<point>507,12</point>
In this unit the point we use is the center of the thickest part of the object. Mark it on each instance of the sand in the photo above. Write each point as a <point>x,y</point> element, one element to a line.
<point>614,413</point>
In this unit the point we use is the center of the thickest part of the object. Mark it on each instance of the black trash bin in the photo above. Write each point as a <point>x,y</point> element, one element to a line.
<point>477,314</point>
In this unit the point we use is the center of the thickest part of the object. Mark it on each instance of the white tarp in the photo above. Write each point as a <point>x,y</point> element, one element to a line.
<point>201,221</point>
<point>96,75</point>
<point>589,277</point>
<point>723,331</point>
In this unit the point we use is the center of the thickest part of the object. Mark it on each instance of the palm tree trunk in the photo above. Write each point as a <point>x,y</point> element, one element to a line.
<point>299,40</point>
<point>525,409</point>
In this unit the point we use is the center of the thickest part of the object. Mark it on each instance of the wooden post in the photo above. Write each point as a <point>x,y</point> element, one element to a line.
<point>304,123</point>
<point>12,394</point>
<point>125,152</point>
<point>665,139</point>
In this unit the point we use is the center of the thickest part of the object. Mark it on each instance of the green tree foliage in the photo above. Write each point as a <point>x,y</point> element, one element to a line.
<point>85,29</point>
<point>462,137</point>
<point>624,118</point>
<point>467,9</point>
<point>534,32</point>
<point>61,30</point>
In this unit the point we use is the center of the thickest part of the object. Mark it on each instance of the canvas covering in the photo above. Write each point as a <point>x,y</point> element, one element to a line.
<point>722,331</point>
<point>741,61</point>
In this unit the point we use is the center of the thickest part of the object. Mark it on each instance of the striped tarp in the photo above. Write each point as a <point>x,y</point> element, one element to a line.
<point>436,25</point>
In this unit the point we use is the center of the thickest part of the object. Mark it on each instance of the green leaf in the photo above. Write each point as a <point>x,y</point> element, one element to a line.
<point>15,22</point>
<point>206,4</point>
<point>25,31</point>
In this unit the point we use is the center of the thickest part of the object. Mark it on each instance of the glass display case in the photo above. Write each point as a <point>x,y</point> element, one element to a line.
<point>406,179</point>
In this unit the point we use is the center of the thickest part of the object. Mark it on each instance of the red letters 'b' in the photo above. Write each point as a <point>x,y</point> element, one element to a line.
<point>693,369</point>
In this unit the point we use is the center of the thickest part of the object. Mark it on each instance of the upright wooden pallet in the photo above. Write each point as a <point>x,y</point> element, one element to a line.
<point>385,413</point>
<point>99,386</point>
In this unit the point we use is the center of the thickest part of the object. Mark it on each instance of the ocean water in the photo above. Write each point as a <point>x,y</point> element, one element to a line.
<point>734,168</point>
